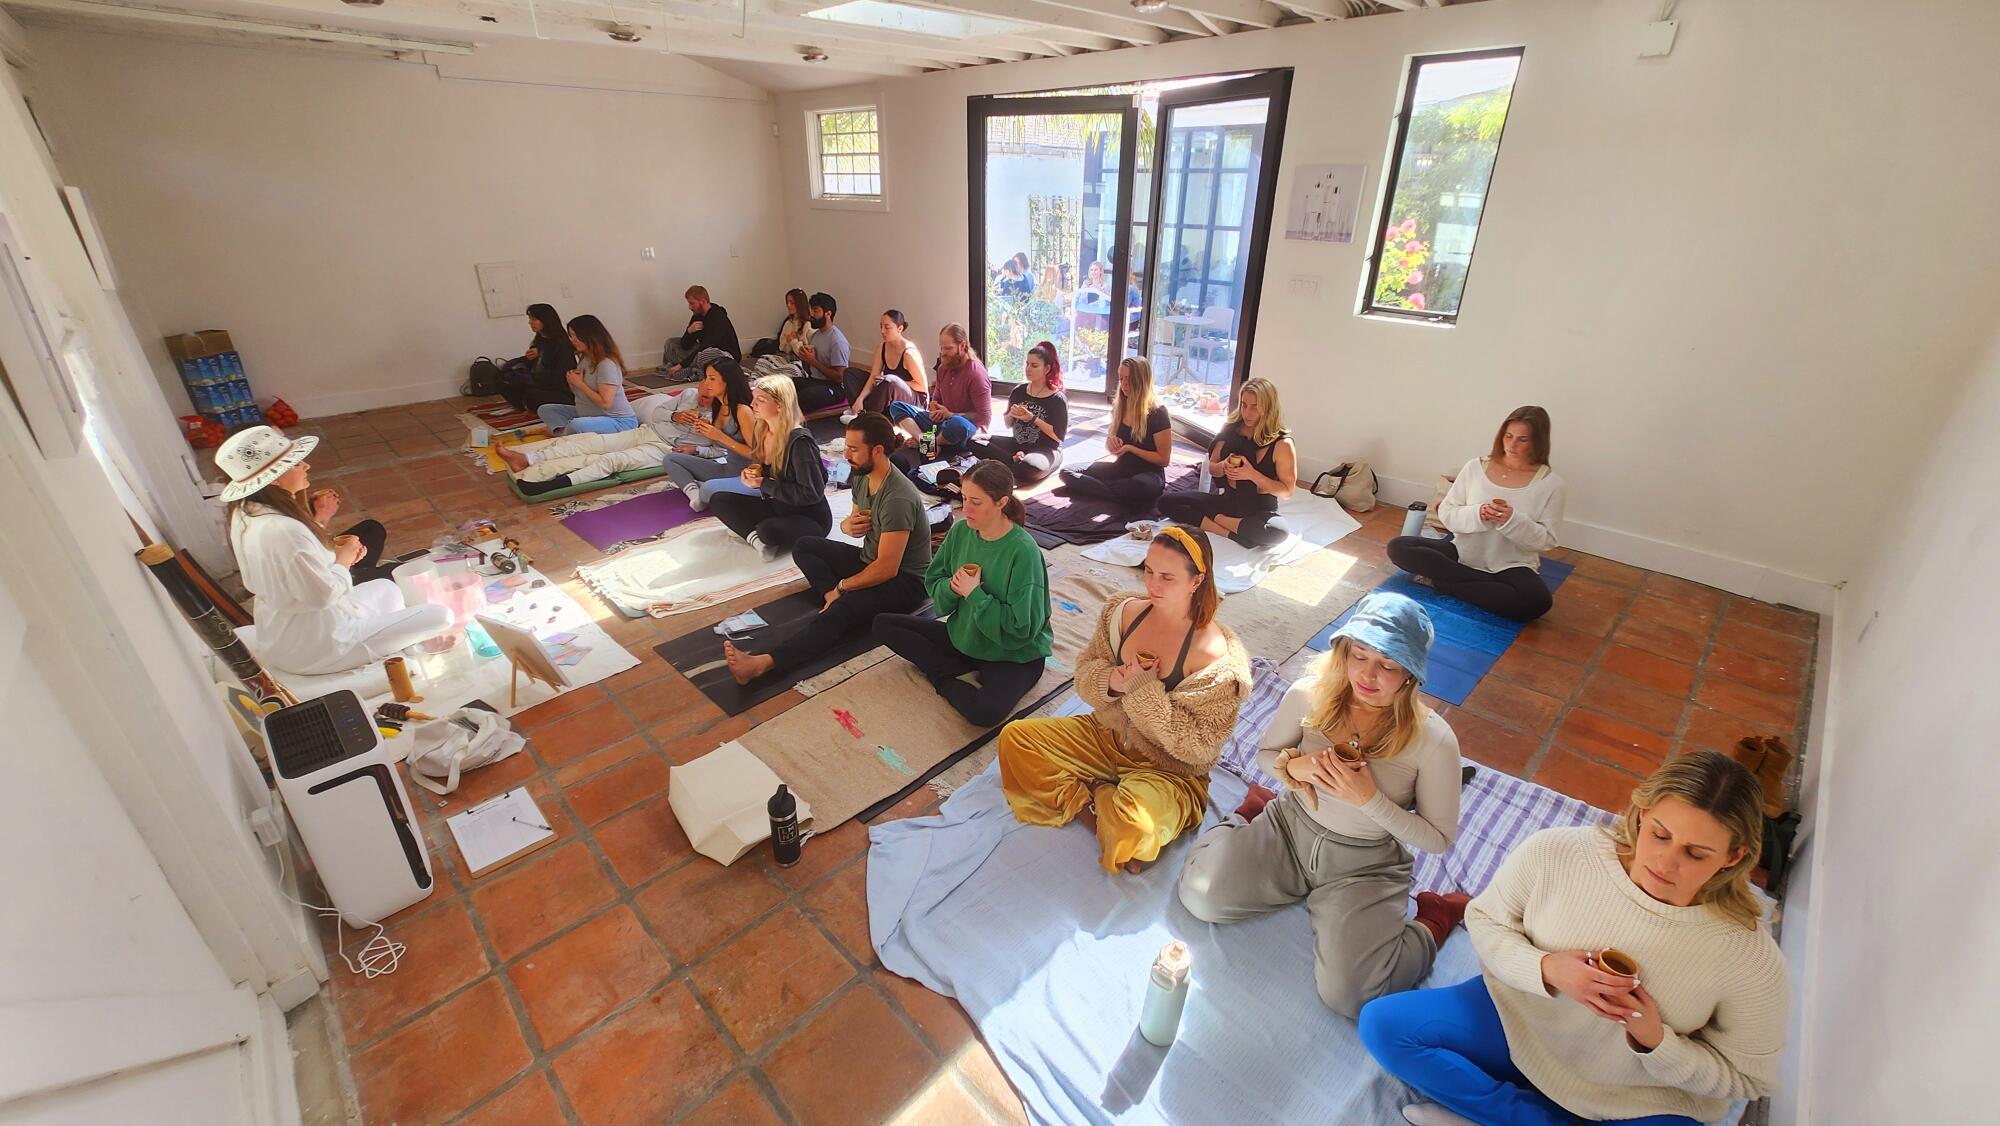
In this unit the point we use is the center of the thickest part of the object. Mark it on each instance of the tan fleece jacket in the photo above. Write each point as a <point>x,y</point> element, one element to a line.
<point>1182,731</point>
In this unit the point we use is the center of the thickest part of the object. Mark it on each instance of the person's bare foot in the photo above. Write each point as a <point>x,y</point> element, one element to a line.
<point>1089,813</point>
<point>745,667</point>
<point>515,461</point>
<point>1134,867</point>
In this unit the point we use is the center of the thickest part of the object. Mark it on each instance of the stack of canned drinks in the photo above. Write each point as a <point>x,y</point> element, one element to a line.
<point>215,380</point>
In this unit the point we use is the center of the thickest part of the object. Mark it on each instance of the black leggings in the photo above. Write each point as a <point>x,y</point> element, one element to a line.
<point>1129,481</point>
<point>372,535</point>
<point>1517,592</point>
<point>825,563</point>
<point>1036,462</point>
<point>744,514</point>
<point>816,393</point>
<point>926,643</point>
<point>1261,526</point>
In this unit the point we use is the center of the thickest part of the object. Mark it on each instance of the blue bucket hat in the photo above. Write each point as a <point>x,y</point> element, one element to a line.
<point>1394,625</point>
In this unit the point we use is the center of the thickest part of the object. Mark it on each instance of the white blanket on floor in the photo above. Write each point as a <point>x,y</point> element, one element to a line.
<point>1315,522</point>
<point>699,564</point>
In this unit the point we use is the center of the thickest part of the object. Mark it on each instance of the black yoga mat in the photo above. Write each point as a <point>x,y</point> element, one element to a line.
<point>698,655</point>
<point>1055,520</point>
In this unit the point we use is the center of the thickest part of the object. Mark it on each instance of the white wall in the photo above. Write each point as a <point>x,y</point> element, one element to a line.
<point>1905,902</point>
<point>1726,273</point>
<point>328,210</point>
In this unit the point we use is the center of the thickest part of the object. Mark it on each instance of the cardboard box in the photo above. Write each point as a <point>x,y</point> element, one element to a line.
<point>194,345</point>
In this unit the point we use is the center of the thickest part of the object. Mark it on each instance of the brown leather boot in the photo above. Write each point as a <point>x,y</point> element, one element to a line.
<point>1769,759</point>
<point>1440,913</point>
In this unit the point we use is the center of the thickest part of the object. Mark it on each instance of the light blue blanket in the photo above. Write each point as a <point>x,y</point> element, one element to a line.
<point>1049,955</point>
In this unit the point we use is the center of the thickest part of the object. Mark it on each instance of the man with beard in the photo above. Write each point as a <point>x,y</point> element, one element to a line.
<point>885,575</point>
<point>961,405</point>
<point>825,357</point>
<point>708,327</point>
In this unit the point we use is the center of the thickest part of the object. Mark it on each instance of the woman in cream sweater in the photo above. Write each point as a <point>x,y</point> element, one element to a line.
<point>1163,679</point>
<point>1373,774</point>
<point>1550,1033</point>
<point>1502,511</point>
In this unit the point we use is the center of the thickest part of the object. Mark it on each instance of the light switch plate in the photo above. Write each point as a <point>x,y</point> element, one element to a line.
<point>1658,39</point>
<point>1304,285</point>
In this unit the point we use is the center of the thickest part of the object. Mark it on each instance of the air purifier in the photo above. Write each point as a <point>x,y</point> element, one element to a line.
<point>340,784</point>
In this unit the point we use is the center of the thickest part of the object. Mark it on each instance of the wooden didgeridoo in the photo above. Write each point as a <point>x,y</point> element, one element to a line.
<point>213,629</point>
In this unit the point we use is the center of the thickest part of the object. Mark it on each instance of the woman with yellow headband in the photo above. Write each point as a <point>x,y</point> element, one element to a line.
<point>1164,680</point>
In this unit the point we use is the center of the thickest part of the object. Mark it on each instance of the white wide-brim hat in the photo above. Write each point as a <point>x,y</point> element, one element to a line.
<point>258,455</point>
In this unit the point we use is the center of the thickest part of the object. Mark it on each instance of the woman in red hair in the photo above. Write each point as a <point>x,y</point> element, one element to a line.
<point>1039,416</point>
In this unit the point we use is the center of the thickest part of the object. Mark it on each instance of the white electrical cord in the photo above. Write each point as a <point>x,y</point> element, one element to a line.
<point>1667,8</point>
<point>378,956</point>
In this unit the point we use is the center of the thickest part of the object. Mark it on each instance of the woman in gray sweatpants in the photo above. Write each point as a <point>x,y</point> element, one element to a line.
<point>1372,773</point>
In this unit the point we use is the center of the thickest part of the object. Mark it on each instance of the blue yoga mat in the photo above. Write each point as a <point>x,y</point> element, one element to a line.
<point>1469,640</point>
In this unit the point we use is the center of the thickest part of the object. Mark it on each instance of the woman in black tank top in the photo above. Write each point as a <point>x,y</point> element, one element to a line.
<point>897,375</point>
<point>1135,474</point>
<point>1256,464</point>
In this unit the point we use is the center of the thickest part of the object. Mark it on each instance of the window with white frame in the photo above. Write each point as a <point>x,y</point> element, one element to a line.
<point>846,154</point>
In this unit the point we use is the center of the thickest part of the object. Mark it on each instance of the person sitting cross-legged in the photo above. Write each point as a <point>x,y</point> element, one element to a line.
<point>1503,510</point>
<point>885,575</point>
<point>1135,474</point>
<point>960,407</point>
<point>990,577</point>
<point>1164,681</point>
<point>1373,775</point>
<point>784,496</point>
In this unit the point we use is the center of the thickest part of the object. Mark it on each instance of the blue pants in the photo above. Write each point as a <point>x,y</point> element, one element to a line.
<point>562,419</point>
<point>954,431</point>
<point>714,476</point>
<point>1450,1046</point>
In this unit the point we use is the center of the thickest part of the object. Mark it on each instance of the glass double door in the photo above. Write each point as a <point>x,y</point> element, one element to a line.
<point>1127,224</point>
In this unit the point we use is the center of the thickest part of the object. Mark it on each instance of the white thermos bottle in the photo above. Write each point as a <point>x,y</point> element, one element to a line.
<point>1166,994</point>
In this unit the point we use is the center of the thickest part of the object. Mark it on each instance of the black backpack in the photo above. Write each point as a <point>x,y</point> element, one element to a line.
<point>484,378</point>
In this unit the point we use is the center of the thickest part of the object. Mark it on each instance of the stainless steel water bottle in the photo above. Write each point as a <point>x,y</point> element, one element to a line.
<point>1413,520</point>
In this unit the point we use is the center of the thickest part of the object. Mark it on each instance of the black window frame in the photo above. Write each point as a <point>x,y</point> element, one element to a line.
<point>1385,205</point>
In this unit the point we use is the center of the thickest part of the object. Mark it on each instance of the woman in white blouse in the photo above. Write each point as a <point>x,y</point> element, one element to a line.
<point>1373,774</point>
<point>1502,512</point>
<point>311,618</point>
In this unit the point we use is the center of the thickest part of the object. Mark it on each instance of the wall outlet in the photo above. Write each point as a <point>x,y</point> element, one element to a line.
<point>1304,285</point>
<point>647,254</point>
<point>567,291</point>
<point>735,251</point>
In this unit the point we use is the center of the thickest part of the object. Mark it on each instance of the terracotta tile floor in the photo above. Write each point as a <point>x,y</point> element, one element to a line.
<point>616,978</point>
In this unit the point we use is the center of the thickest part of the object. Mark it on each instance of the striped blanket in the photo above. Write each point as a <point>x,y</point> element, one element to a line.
<point>1496,812</point>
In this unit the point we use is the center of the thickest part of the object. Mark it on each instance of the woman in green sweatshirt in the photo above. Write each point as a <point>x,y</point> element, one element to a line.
<point>989,577</point>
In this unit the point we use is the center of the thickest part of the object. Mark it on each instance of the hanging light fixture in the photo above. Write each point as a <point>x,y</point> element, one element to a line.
<point>812,54</point>
<point>1149,6</point>
<point>363,3</point>
<point>619,30</point>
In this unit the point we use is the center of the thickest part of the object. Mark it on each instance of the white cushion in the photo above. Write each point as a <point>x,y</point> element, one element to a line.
<point>366,681</point>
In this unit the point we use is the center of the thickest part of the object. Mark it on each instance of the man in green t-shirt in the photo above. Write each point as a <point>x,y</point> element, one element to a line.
<point>885,575</point>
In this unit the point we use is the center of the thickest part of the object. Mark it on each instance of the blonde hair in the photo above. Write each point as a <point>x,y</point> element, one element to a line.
<point>1133,409</point>
<point>274,497</point>
<point>1332,697</point>
<point>1721,787</point>
<point>773,441</point>
<point>1270,426</point>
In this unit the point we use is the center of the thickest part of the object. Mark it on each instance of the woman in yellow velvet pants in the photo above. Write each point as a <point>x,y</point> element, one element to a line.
<point>1164,680</point>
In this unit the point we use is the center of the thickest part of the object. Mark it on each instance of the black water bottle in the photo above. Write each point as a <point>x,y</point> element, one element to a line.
<point>784,811</point>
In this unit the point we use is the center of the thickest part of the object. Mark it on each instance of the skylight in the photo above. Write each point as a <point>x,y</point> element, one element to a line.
<point>917,21</point>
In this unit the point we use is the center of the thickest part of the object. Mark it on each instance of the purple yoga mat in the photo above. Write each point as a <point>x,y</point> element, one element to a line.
<point>634,519</point>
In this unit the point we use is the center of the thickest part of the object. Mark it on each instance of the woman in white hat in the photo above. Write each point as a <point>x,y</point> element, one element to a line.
<point>311,617</point>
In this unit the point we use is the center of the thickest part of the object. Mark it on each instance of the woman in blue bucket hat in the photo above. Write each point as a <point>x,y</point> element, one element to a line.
<point>1372,773</point>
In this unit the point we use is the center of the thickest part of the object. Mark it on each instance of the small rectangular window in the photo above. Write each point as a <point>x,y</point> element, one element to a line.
<point>846,154</point>
<point>1447,138</point>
